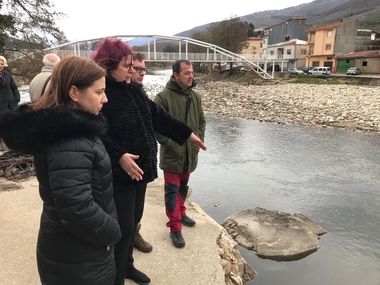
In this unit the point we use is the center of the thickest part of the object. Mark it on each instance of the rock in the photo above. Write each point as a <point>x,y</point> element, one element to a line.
<point>274,235</point>
<point>237,270</point>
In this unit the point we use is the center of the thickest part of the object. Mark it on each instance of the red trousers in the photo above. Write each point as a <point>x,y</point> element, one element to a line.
<point>175,195</point>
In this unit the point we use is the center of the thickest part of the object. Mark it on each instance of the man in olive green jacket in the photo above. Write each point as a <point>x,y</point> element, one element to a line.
<point>177,162</point>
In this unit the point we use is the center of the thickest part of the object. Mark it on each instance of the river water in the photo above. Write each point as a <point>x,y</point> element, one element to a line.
<point>330,175</point>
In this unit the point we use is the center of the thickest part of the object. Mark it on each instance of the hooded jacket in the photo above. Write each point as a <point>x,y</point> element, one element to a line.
<point>133,120</point>
<point>174,99</point>
<point>78,225</point>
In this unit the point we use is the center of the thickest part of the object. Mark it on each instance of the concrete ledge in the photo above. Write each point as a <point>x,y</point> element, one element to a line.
<point>209,257</point>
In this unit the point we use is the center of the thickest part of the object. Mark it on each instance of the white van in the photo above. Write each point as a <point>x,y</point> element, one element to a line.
<point>320,70</point>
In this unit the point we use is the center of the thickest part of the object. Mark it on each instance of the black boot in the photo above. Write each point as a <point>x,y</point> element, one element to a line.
<point>187,221</point>
<point>137,276</point>
<point>177,239</point>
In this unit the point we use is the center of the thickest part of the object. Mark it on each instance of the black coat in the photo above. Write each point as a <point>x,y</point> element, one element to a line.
<point>79,222</point>
<point>9,94</point>
<point>133,120</point>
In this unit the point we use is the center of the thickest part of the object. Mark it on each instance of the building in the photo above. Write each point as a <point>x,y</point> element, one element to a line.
<point>294,28</point>
<point>367,60</point>
<point>289,54</point>
<point>327,42</point>
<point>254,50</point>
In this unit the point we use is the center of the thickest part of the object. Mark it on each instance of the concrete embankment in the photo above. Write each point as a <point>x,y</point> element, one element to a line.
<point>209,257</point>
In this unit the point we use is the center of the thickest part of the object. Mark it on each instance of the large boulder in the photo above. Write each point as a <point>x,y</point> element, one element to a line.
<point>274,235</point>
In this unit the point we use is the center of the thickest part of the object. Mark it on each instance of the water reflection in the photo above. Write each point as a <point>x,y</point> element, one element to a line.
<point>330,175</point>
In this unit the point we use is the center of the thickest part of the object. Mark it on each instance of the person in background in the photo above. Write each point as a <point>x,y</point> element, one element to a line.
<point>139,71</point>
<point>133,120</point>
<point>39,83</point>
<point>9,94</point>
<point>78,227</point>
<point>177,162</point>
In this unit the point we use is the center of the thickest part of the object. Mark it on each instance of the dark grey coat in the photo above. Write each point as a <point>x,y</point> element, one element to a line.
<point>78,222</point>
<point>9,94</point>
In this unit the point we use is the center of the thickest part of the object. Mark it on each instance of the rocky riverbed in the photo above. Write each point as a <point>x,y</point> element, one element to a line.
<point>352,107</point>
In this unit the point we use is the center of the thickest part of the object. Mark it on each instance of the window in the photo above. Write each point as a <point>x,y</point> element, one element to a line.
<point>328,46</point>
<point>364,63</point>
<point>311,50</point>
<point>329,58</point>
<point>303,51</point>
<point>329,33</point>
<point>271,52</point>
<point>312,37</point>
<point>288,51</point>
<point>315,63</point>
<point>261,45</point>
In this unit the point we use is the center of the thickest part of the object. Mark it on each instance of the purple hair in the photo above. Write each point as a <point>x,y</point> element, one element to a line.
<point>109,52</point>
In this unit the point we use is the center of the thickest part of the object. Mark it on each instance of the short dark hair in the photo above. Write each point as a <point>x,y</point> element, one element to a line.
<point>177,65</point>
<point>139,56</point>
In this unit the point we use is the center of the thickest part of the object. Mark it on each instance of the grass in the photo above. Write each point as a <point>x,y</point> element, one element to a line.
<point>314,80</point>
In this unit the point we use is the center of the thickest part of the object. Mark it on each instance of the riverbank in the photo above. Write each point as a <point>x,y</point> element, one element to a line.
<point>352,107</point>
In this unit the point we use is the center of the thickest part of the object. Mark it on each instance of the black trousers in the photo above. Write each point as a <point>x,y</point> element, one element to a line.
<point>130,207</point>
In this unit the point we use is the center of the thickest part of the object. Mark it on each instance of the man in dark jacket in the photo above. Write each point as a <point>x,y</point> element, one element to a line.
<point>139,71</point>
<point>178,161</point>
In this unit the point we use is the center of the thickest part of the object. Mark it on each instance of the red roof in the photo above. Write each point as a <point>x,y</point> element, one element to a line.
<point>360,53</point>
<point>254,39</point>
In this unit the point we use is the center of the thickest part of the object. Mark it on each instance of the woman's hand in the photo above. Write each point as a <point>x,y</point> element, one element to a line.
<point>193,138</point>
<point>127,162</point>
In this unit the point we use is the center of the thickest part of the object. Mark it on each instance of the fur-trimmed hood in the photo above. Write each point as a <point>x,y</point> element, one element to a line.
<point>30,131</point>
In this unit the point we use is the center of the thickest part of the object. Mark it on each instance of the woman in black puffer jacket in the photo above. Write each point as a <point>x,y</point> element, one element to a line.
<point>79,225</point>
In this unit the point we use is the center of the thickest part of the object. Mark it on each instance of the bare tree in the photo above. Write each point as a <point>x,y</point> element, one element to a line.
<point>229,34</point>
<point>27,28</point>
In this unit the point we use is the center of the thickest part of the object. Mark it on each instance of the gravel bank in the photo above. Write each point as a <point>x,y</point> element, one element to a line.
<point>345,106</point>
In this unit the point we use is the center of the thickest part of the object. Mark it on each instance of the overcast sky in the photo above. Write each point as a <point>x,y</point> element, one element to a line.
<point>94,19</point>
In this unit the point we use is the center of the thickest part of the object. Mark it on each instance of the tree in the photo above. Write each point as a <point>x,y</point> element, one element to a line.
<point>250,28</point>
<point>27,28</point>
<point>229,34</point>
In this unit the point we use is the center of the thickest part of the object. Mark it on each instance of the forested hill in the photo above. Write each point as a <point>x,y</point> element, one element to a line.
<point>317,13</point>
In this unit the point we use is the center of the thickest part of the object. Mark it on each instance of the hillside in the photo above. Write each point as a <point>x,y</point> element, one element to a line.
<point>317,13</point>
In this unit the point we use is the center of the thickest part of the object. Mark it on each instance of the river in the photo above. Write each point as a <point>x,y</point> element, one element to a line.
<point>330,175</point>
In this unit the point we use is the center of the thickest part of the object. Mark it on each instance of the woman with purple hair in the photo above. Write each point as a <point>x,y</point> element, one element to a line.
<point>133,120</point>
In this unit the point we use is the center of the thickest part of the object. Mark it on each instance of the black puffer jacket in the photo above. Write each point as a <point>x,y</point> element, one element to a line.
<point>79,222</point>
<point>133,120</point>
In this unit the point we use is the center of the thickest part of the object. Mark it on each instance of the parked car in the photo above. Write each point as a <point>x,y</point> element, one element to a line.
<point>307,70</point>
<point>294,70</point>
<point>321,70</point>
<point>353,71</point>
<point>276,68</point>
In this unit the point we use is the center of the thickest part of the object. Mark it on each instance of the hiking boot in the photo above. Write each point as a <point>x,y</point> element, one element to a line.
<point>142,245</point>
<point>137,276</point>
<point>187,221</point>
<point>177,239</point>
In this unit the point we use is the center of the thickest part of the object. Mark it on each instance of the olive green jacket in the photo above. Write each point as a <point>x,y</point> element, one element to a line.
<point>173,98</point>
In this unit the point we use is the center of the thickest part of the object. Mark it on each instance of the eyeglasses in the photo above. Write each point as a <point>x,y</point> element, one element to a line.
<point>140,69</point>
<point>128,66</point>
